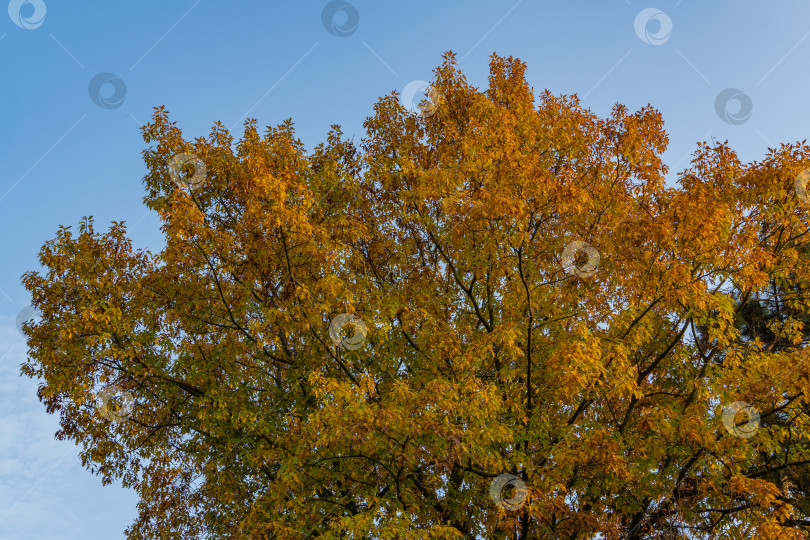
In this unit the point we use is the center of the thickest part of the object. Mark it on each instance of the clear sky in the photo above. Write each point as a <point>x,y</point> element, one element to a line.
<point>70,144</point>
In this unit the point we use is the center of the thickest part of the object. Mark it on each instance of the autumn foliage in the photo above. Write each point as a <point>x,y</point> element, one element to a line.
<point>479,341</point>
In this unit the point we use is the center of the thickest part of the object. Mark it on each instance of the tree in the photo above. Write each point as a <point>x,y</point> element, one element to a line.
<point>492,319</point>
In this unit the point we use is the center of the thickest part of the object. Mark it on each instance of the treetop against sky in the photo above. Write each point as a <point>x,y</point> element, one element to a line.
<point>490,317</point>
<point>499,301</point>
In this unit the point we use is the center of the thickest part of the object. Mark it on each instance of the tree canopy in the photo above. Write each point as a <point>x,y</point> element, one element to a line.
<point>491,318</point>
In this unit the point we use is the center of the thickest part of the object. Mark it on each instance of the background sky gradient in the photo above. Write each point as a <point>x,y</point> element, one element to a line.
<point>62,156</point>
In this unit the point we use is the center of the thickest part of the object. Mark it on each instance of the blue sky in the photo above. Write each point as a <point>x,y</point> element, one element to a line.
<point>62,156</point>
